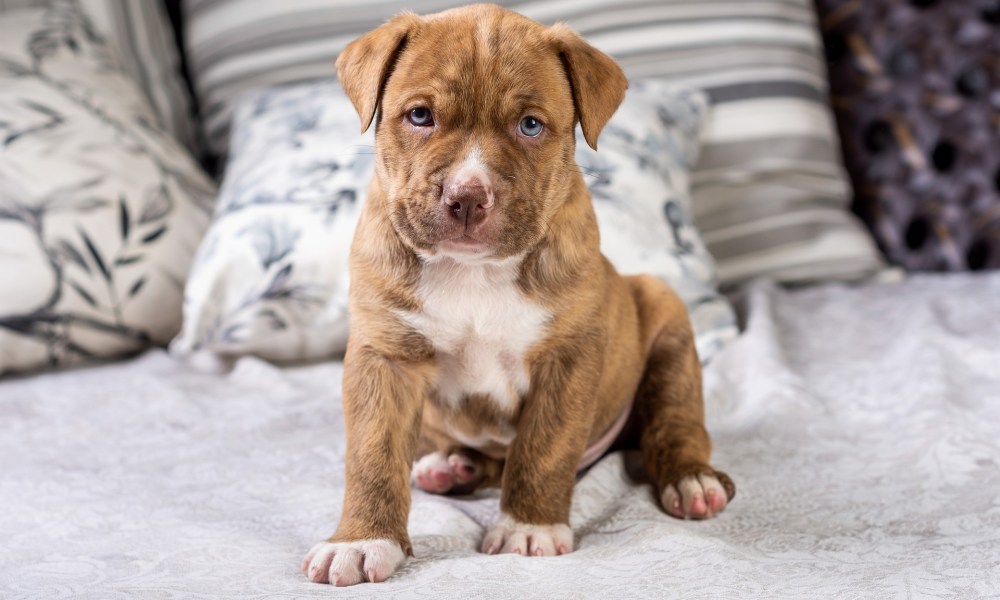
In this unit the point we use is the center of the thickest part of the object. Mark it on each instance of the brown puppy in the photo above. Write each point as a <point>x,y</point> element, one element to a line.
<point>485,324</point>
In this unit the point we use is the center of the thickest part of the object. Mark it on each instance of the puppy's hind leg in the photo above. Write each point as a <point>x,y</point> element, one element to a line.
<point>675,445</point>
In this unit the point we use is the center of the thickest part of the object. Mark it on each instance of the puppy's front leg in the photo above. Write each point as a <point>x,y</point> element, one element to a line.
<point>383,399</point>
<point>542,460</point>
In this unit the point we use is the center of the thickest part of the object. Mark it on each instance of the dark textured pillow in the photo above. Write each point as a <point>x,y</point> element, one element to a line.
<point>916,90</point>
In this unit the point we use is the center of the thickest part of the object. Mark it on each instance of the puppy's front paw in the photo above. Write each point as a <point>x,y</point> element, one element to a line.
<point>698,496</point>
<point>349,563</point>
<point>439,473</point>
<point>512,537</point>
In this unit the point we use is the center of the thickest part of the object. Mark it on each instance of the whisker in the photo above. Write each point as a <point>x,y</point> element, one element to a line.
<point>594,174</point>
<point>574,166</point>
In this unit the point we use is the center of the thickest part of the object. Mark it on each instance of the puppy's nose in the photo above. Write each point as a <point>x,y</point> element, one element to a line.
<point>468,203</point>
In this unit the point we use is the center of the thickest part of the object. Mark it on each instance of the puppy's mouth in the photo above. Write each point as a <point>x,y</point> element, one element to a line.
<point>465,244</point>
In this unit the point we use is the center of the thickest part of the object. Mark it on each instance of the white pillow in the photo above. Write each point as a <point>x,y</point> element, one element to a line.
<point>271,276</point>
<point>100,211</point>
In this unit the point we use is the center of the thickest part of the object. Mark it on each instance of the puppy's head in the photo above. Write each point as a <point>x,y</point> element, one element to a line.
<point>476,109</point>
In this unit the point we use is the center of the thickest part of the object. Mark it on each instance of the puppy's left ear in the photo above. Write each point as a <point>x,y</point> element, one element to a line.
<point>597,82</point>
<point>364,66</point>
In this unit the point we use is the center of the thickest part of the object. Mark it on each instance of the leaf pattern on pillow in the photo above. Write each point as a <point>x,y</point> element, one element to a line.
<point>271,277</point>
<point>95,187</point>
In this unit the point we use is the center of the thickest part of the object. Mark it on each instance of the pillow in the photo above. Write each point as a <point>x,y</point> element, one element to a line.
<point>142,38</point>
<point>915,88</point>
<point>770,194</point>
<point>271,276</point>
<point>100,210</point>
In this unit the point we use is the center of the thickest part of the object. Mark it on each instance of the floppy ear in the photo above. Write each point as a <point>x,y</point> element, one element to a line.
<point>364,65</point>
<point>597,82</point>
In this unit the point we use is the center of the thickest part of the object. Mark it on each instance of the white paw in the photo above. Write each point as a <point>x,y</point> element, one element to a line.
<point>437,473</point>
<point>512,537</point>
<point>695,496</point>
<point>349,563</point>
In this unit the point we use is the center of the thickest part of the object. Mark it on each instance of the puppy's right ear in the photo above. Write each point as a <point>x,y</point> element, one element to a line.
<point>364,65</point>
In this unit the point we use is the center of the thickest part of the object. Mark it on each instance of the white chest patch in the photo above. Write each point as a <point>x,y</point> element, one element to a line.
<point>481,326</point>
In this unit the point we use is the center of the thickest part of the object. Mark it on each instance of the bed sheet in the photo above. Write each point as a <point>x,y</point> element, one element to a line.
<point>861,425</point>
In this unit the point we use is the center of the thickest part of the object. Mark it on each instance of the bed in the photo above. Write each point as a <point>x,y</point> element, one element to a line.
<point>861,424</point>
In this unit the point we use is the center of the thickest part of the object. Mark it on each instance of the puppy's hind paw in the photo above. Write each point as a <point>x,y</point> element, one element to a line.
<point>439,473</point>
<point>699,496</point>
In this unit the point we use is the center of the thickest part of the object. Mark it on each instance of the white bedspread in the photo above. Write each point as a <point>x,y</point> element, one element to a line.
<point>862,428</point>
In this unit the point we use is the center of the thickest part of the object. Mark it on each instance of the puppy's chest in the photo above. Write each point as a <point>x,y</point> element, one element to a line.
<point>481,327</point>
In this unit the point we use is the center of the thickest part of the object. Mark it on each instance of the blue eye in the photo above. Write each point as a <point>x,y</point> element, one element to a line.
<point>530,126</point>
<point>421,117</point>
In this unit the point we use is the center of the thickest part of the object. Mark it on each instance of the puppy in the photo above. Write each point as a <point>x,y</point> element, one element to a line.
<point>489,338</point>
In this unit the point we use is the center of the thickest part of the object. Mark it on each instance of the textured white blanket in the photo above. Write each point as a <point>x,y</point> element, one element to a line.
<point>862,427</point>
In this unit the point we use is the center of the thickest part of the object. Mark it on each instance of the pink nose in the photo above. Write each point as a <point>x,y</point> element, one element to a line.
<point>468,203</point>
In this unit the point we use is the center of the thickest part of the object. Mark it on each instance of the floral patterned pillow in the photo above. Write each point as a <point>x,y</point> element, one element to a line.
<point>271,276</point>
<point>100,211</point>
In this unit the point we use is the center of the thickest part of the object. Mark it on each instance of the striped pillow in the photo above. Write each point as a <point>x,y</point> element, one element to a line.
<point>770,194</point>
<point>141,38</point>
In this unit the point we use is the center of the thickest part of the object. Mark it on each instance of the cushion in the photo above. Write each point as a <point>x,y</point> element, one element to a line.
<point>915,88</point>
<point>142,38</point>
<point>271,276</point>
<point>770,193</point>
<point>100,210</point>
